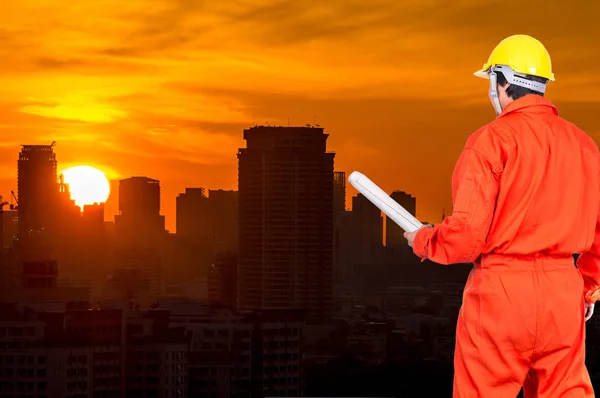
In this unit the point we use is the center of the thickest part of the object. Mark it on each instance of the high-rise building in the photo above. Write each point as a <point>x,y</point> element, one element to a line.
<point>286,220</point>
<point>346,250</point>
<point>93,216</point>
<point>208,219</point>
<point>224,211</point>
<point>141,234</point>
<point>193,218</point>
<point>206,225</point>
<point>39,274</point>
<point>222,279</point>
<point>394,235</point>
<point>40,207</point>
<point>111,206</point>
<point>93,246</point>
<point>9,225</point>
<point>340,231</point>
<point>139,221</point>
<point>369,229</point>
<point>339,193</point>
<point>139,196</point>
<point>38,187</point>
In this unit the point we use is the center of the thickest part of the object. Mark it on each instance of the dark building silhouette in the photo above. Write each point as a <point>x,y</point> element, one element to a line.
<point>93,216</point>
<point>369,228</point>
<point>139,221</point>
<point>193,251</point>
<point>37,187</point>
<point>339,193</point>
<point>157,357</point>
<point>66,232</point>
<point>211,219</point>
<point>222,279</point>
<point>346,249</point>
<point>206,225</point>
<point>9,222</point>
<point>193,218</point>
<point>339,223</point>
<point>358,246</point>
<point>224,212</point>
<point>94,245</point>
<point>33,260</point>
<point>286,220</point>
<point>111,206</point>
<point>394,235</point>
<point>141,234</point>
<point>39,274</point>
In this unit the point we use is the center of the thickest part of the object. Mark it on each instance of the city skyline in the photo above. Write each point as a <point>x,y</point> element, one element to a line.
<point>112,208</point>
<point>120,86</point>
<point>230,289</point>
<point>264,302</point>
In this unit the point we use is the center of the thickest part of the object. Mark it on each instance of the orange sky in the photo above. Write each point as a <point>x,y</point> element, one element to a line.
<point>165,88</point>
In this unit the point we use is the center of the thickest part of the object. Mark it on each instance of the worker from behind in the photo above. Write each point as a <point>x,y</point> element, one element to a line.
<point>526,196</point>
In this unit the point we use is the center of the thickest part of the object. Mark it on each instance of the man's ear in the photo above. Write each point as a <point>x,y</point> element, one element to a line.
<point>505,87</point>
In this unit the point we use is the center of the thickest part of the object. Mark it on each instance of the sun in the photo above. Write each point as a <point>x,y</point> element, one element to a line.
<point>87,184</point>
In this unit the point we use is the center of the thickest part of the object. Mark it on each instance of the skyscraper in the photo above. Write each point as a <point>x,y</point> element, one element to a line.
<point>9,226</point>
<point>286,220</point>
<point>369,229</point>
<point>193,214</point>
<point>222,279</point>
<point>211,219</point>
<point>224,210</point>
<point>339,193</point>
<point>139,221</point>
<point>38,188</point>
<point>394,235</point>
<point>140,234</point>
<point>340,219</point>
<point>111,206</point>
<point>206,225</point>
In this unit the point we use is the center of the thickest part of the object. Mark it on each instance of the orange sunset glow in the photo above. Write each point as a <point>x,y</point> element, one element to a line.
<point>87,185</point>
<point>164,88</point>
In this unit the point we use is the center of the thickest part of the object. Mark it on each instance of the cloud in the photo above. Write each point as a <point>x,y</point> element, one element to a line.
<point>86,112</point>
<point>56,63</point>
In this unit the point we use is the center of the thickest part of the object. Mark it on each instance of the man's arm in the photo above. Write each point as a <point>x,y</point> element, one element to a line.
<point>460,237</point>
<point>589,266</point>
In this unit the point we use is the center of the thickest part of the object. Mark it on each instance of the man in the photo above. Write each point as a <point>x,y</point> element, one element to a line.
<point>526,195</point>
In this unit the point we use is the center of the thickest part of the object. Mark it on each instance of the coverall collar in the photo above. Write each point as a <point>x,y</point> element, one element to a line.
<point>530,103</point>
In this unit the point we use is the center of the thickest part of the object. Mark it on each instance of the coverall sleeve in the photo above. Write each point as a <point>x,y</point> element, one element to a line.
<point>589,266</point>
<point>460,238</point>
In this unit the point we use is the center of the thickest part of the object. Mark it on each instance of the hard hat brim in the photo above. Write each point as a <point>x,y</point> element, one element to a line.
<point>482,73</point>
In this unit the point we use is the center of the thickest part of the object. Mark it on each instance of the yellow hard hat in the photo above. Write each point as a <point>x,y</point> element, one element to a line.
<point>523,54</point>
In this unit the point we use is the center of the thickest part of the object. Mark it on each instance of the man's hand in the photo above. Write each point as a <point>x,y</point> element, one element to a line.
<point>410,236</point>
<point>589,310</point>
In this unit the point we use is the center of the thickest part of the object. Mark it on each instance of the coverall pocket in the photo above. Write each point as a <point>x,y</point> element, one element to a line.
<point>465,200</point>
<point>471,306</point>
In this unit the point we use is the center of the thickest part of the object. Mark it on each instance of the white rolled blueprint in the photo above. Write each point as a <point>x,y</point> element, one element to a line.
<point>384,202</point>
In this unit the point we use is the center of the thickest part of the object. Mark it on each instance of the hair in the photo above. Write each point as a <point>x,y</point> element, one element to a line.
<point>516,92</point>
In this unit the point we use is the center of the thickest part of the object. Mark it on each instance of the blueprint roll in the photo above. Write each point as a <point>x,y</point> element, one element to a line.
<point>384,202</point>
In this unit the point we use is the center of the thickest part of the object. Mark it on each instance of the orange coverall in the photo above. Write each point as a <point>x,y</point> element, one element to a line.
<point>526,194</point>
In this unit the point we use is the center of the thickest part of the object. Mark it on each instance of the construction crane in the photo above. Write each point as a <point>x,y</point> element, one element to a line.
<point>14,197</point>
<point>2,204</point>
